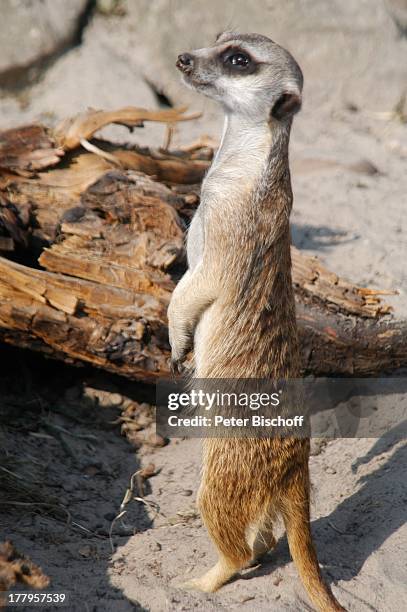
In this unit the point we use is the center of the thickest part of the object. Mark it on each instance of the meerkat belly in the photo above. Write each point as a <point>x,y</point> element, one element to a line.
<point>235,342</point>
<point>195,240</point>
<point>207,326</point>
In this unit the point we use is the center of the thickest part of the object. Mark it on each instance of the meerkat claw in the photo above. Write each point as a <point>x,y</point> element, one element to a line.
<point>176,366</point>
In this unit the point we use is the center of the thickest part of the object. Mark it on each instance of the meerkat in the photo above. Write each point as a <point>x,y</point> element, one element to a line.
<point>235,304</point>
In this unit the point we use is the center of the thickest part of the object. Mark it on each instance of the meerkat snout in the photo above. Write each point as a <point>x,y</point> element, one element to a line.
<point>185,63</point>
<point>248,74</point>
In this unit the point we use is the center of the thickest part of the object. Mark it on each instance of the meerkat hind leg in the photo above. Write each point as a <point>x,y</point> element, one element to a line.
<point>214,578</point>
<point>260,539</point>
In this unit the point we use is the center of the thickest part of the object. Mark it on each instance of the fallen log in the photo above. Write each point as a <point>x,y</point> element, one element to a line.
<point>106,226</point>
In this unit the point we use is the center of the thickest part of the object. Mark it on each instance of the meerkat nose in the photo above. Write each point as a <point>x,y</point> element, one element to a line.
<point>185,62</point>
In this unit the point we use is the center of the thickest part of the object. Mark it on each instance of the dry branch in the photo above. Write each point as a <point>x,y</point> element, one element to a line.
<point>107,226</point>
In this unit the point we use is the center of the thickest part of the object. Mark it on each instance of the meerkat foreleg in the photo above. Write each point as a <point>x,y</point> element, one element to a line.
<point>194,293</point>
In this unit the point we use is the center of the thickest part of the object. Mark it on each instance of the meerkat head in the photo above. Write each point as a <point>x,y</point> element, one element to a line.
<point>248,74</point>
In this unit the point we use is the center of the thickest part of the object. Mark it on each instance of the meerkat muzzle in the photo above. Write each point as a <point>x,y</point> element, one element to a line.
<point>185,63</point>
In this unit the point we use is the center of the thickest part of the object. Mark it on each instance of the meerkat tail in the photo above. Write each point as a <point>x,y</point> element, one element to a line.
<point>295,511</point>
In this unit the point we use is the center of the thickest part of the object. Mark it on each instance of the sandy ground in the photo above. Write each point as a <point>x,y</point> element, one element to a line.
<point>350,184</point>
<point>358,511</point>
<point>358,508</point>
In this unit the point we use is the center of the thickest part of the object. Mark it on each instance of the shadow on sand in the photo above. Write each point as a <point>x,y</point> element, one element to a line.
<point>360,523</point>
<point>71,454</point>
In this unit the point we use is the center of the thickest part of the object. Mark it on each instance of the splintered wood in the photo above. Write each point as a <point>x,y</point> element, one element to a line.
<point>17,569</point>
<point>94,234</point>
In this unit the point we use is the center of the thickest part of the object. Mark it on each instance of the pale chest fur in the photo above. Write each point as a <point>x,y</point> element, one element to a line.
<point>232,177</point>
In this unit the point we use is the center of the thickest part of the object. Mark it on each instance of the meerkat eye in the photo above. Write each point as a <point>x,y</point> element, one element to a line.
<point>239,60</point>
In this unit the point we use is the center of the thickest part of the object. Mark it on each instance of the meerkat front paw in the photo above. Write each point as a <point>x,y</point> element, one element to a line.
<point>180,342</point>
<point>180,346</point>
<point>177,366</point>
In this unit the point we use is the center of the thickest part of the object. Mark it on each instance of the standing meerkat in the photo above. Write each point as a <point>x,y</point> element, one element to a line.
<point>235,304</point>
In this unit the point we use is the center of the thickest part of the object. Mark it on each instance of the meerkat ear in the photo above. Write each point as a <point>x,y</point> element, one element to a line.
<point>287,105</point>
<point>225,34</point>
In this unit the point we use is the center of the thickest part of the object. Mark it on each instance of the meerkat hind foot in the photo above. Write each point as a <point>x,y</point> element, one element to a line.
<point>212,580</point>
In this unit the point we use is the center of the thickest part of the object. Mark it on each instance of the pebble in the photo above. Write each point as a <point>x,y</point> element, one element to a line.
<point>364,166</point>
<point>103,398</point>
<point>85,551</point>
<point>157,440</point>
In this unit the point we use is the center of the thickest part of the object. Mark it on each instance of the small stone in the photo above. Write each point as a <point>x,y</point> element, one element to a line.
<point>351,107</point>
<point>157,440</point>
<point>105,399</point>
<point>115,399</point>
<point>85,551</point>
<point>186,492</point>
<point>247,598</point>
<point>330,470</point>
<point>148,471</point>
<point>144,421</point>
<point>364,166</point>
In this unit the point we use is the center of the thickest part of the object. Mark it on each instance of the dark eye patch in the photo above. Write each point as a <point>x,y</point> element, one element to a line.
<point>237,61</point>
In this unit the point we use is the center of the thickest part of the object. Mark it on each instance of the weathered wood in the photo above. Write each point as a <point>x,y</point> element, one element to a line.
<point>70,132</point>
<point>336,344</point>
<point>316,284</point>
<point>109,237</point>
<point>125,332</point>
<point>16,568</point>
<point>29,148</point>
